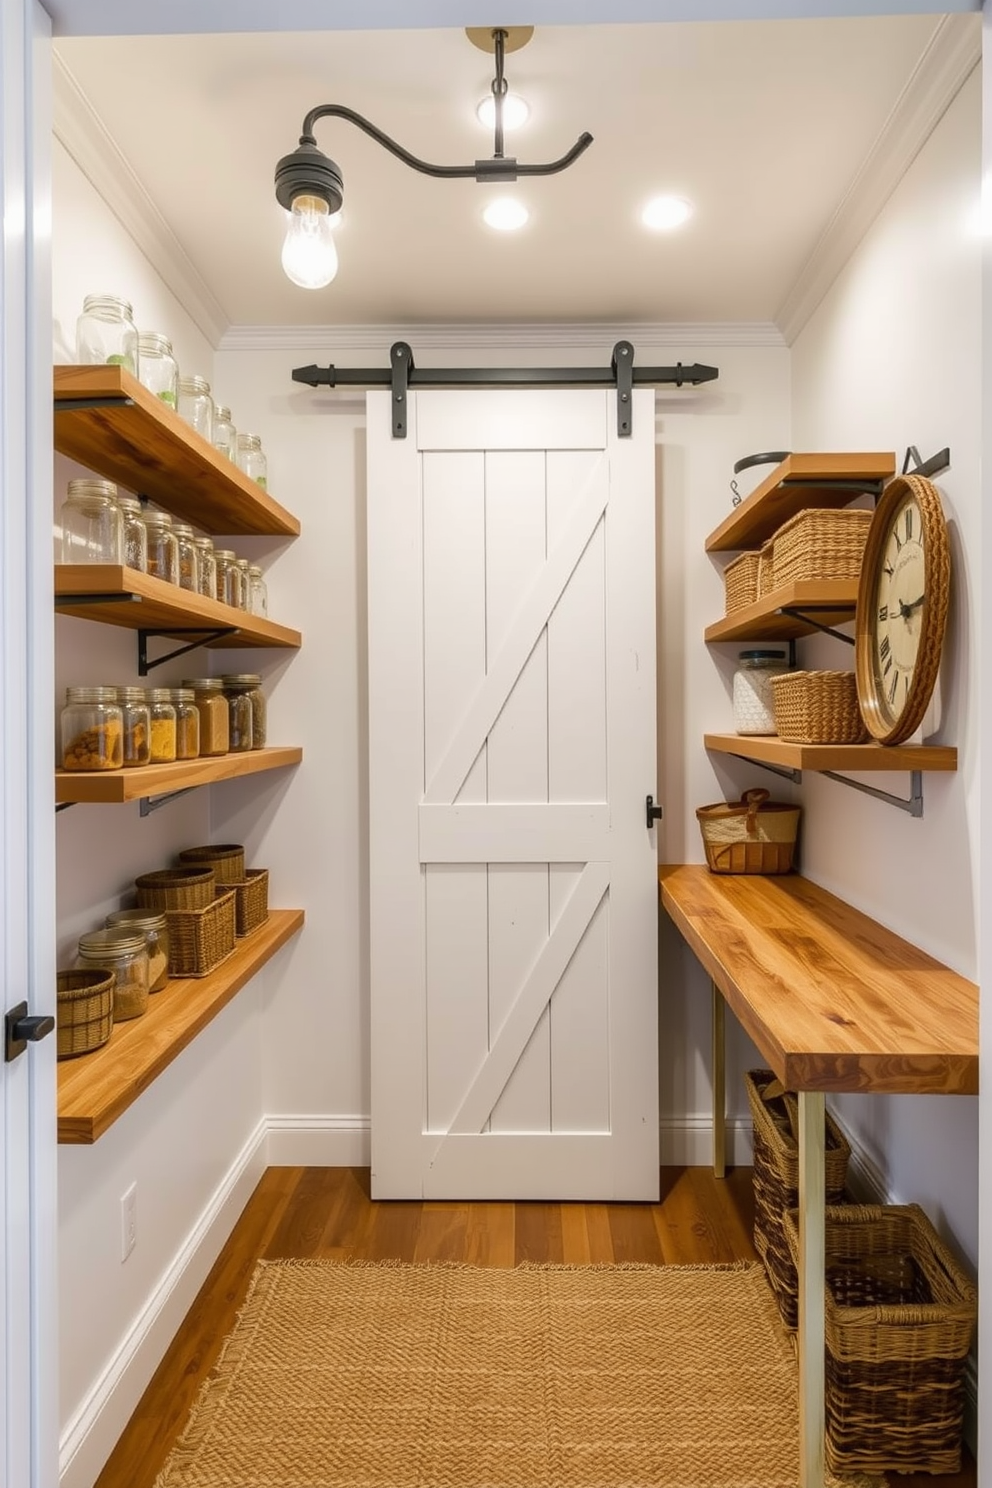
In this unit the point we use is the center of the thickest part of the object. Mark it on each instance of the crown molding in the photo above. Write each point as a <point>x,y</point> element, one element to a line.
<point>84,136</point>
<point>953,53</point>
<point>482,337</point>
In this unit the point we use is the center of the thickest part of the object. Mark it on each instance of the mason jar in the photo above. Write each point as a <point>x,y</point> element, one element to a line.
<point>754,698</point>
<point>155,928</point>
<point>206,567</point>
<point>92,524</point>
<point>187,723</point>
<point>137,723</point>
<point>225,435</point>
<point>251,459</point>
<point>163,548</point>
<point>92,727</point>
<point>229,578</point>
<point>239,714</point>
<point>211,704</point>
<point>135,533</point>
<point>187,557</point>
<point>124,951</point>
<point>158,370</point>
<point>196,405</point>
<point>245,588</point>
<point>258,597</point>
<point>106,333</point>
<point>163,720</point>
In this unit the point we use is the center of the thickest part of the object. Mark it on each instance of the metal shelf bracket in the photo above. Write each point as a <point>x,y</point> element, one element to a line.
<point>148,804</point>
<point>107,400</point>
<point>204,637</point>
<point>808,618</point>
<point>936,465</point>
<point>914,805</point>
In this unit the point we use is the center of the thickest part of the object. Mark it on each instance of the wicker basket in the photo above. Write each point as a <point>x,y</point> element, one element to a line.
<point>251,901</point>
<point>818,544</point>
<point>899,1319</point>
<point>84,1010</point>
<point>818,708</point>
<point>754,835</point>
<point>226,859</point>
<point>741,580</point>
<point>775,1116</point>
<point>766,568</point>
<point>200,939</point>
<point>176,888</point>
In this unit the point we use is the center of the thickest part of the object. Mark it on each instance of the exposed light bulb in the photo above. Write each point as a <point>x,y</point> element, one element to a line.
<point>515,111</point>
<point>666,212</point>
<point>309,254</point>
<point>506,214</point>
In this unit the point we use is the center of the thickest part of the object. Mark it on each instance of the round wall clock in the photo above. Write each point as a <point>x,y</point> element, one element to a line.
<point>902,608</point>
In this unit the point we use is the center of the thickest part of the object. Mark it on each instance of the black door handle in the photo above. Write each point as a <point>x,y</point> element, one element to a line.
<point>653,813</point>
<point>21,1030</point>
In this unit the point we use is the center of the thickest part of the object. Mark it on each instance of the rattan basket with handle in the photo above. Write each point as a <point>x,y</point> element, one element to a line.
<point>818,708</point>
<point>227,859</point>
<point>753,835</point>
<point>741,581</point>
<point>84,1010</point>
<point>820,544</point>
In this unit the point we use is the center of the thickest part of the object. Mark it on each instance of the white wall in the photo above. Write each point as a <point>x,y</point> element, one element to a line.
<point>892,358</point>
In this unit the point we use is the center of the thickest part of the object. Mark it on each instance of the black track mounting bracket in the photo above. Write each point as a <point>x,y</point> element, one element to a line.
<point>401,363</point>
<point>623,371</point>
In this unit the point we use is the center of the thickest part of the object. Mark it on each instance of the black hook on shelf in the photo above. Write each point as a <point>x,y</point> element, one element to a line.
<point>936,465</point>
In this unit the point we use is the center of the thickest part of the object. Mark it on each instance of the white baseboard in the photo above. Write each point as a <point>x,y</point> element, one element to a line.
<point>687,1141</point>
<point>90,1436</point>
<point>320,1141</point>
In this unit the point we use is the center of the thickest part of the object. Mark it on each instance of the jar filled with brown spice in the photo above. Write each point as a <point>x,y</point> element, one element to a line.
<point>187,723</point>
<point>211,705</point>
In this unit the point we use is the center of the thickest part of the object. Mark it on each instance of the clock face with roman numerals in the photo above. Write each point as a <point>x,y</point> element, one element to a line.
<point>902,608</point>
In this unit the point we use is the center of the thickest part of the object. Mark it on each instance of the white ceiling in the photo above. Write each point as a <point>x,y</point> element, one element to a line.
<point>778,131</point>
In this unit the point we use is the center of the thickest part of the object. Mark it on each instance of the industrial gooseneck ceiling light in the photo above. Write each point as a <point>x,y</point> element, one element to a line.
<point>311,187</point>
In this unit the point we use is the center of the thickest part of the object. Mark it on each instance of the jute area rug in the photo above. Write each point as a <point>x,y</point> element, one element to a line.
<point>402,1376</point>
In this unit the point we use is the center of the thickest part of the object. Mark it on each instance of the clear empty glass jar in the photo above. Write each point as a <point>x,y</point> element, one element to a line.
<point>225,435</point>
<point>163,718</point>
<point>106,333</point>
<point>251,459</point>
<point>754,697</point>
<point>229,578</point>
<point>135,534</point>
<point>163,548</point>
<point>206,567</point>
<point>258,597</point>
<point>155,928</point>
<point>92,523</point>
<point>124,951</point>
<point>211,704</point>
<point>187,723</point>
<point>137,726</point>
<point>92,727</point>
<point>239,714</point>
<point>196,405</point>
<point>187,557</point>
<point>158,370</point>
<point>245,590</point>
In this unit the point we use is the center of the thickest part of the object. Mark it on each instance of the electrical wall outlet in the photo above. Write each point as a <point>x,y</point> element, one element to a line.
<point>129,1221</point>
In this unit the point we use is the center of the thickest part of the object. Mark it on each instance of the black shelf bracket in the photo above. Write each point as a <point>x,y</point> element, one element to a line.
<point>148,804</point>
<point>936,465</point>
<point>64,806</point>
<point>204,638</point>
<point>808,618</point>
<point>95,599</point>
<point>108,400</point>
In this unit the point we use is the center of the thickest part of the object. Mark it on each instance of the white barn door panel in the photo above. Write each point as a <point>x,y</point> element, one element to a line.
<point>512,744</point>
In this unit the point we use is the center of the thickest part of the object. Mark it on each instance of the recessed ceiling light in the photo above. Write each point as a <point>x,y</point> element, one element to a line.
<point>506,214</point>
<point>515,111</point>
<point>665,212</point>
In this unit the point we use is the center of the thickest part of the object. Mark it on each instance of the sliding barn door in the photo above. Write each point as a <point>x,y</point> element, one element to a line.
<point>514,890</point>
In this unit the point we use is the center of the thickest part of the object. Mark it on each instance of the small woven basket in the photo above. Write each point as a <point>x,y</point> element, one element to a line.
<point>766,568</point>
<point>754,835</point>
<point>251,901</point>
<point>741,581</point>
<point>775,1117</point>
<point>818,544</point>
<point>899,1319</point>
<point>176,888</point>
<point>200,939</point>
<point>84,1011</point>
<point>226,859</point>
<point>818,708</point>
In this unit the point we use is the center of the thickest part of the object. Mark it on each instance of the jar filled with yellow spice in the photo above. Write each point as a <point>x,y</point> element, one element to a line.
<point>187,723</point>
<point>163,720</point>
<point>92,727</point>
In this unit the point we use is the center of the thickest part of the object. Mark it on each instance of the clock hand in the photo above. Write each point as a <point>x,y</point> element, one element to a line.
<point>907,609</point>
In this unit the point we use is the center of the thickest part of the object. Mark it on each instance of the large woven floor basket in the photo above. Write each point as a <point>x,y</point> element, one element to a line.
<point>775,1117</point>
<point>899,1319</point>
<point>752,835</point>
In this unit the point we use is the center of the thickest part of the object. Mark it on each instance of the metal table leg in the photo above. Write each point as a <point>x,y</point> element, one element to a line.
<point>812,1262</point>
<point>719,1085</point>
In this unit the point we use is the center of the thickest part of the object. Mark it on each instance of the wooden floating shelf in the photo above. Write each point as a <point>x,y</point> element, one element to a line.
<point>145,446</point>
<point>791,487</point>
<point>112,787</point>
<point>139,601</point>
<point>833,600</point>
<point>770,750</point>
<point>95,1089</point>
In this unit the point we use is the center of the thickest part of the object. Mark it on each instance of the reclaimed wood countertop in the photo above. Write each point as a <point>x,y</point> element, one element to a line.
<point>833,999</point>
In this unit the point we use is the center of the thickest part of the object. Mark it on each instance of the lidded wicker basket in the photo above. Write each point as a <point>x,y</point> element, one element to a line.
<point>820,544</point>
<point>176,888</point>
<point>753,835</point>
<point>818,708</point>
<point>226,859</point>
<point>84,1010</point>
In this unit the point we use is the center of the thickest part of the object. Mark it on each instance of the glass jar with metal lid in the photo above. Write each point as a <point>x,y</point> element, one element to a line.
<point>163,717</point>
<point>163,547</point>
<point>243,567</point>
<point>225,435</point>
<point>196,405</point>
<point>158,369</point>
<point>754,701</point>
<point>137,722</point>
<point>239,714</point>
<point>206,567</point>
<point>124,951</point>
<point>249,684</point>
<point>106,333</point>
<point>229,578</point>
<point>92,524</point>
<point>187,556</point>
<point>211,704</point>
<point>258,596</point>
<point>92,728</point>
<point>251,459</point>
<point>134,533</point>
<point>187,723</point>
<point>155,928</point>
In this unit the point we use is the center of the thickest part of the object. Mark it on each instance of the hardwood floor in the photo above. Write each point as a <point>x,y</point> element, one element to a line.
<point>303,1213</point>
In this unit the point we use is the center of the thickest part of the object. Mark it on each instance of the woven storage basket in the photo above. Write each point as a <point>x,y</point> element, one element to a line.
<point>766,568</point>
<point>176,888</point>
<point>754,835</point>
<point>775,1116</point>
<point>200,939</point>
<point>818,708</point>
<point>899,1319</point>
<point>817,544</point>
<point>226,859</point>
<point>741,580</point>
<point>251,901</point>
<point>84,1011</point>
